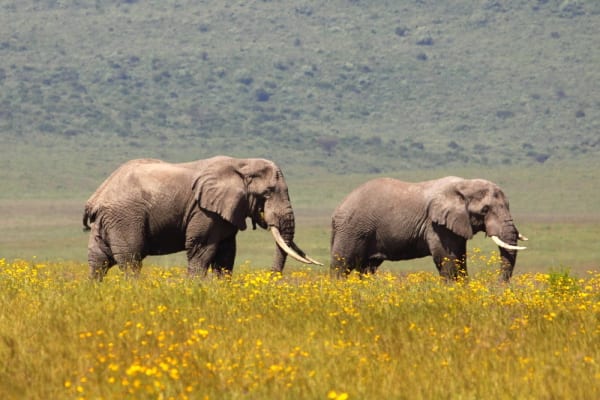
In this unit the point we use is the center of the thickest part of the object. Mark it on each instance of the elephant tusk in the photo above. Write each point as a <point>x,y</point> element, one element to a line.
<point>312,261</point>
<point>523,238</point>
<point>303,254</point>
<point>506,246</point>
<point>279,240</point>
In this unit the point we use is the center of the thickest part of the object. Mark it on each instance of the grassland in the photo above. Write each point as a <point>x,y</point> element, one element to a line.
<point>336,93</point>
<point>300,335</point>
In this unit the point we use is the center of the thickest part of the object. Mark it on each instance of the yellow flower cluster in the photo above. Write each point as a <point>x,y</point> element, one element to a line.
<point>296,335</point>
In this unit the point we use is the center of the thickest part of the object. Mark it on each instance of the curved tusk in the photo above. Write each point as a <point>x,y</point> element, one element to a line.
<point>303,254</point>
<point>523,238</point>
<point>281,243</point>
<point>312,261</point>
<point>507,246</point>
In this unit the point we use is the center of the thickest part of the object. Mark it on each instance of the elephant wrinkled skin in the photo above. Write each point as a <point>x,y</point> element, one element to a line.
<point>387,219</point>
<point>150,207</point>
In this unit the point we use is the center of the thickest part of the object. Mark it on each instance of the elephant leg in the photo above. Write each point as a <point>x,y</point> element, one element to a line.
<point>200,257</point>
<point>372,265</point>
<point>449,255</point>
<point>451,264</point>
<point>100,258</point>
<point>128,254</point>
<point>346,255</point>
<point>342,266</point>
<point>225,257</point>
<point>130,265</point>
<point>461,269</point>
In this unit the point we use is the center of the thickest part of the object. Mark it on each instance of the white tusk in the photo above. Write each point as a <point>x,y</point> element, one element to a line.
<point>313,261</point>
<point>523,238</point>
<point>279,240</point>
<point>303,254</point>
<point>507,246</point>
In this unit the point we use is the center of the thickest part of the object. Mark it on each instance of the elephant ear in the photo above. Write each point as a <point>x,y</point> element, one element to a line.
<point>222,190</point>
<point>448,207</point>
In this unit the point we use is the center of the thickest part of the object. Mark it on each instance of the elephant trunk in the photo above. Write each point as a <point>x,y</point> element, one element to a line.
<point>507,244</point>
<point>284,237</point>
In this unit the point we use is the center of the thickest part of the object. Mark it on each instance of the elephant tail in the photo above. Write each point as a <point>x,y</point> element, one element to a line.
<point>86,227</point>
<point>331,240</point>
<point>88,218</point>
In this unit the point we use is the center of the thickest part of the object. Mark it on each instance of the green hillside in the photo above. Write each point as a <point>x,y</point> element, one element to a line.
<point>328,86</point>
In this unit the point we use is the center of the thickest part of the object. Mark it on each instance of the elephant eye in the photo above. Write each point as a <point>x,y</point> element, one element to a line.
<point>485,210</point>
<point>268,192</point>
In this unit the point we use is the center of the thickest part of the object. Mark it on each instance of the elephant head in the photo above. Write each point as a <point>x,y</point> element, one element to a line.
<point>237,189</point>
<point>468,206</point>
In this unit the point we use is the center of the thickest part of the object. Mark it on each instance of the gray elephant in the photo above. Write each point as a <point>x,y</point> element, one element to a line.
<point>387,219</point>
<point>151,207</point>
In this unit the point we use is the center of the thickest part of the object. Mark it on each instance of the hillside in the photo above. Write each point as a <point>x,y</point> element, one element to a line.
<point>340,86</point>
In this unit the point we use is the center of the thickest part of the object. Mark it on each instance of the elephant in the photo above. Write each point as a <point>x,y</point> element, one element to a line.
<point>388,219</point>
<point>152,207</point>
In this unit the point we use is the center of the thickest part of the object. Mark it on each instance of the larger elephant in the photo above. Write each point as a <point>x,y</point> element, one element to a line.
<point>388,219</point>
<point>151,207</point>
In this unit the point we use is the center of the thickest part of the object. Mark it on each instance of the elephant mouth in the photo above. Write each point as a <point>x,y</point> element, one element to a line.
<point>258,218</point>
<point>260,221</point>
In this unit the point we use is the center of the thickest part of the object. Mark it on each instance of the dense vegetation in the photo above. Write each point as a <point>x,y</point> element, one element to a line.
<point>339,86</point>
<point>301,335</point>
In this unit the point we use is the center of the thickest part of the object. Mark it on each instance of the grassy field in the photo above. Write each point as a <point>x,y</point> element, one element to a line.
<point>300,335</point>
<point>336,93</point>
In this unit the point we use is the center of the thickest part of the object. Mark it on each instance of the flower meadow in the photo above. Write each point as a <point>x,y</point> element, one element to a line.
<point>302,334</point>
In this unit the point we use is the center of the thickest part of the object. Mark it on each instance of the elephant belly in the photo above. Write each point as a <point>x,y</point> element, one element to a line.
<point>166,241</point>
<point>405,251</point>
<point>408,254</point>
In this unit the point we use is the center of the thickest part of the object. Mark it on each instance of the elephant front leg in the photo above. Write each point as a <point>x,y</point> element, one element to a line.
<point>200,257</point>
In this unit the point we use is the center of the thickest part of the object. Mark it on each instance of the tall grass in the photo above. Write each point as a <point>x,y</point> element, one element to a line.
<point>299,335</point>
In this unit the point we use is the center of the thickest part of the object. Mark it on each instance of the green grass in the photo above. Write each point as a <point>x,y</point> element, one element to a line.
<point>300,335</point>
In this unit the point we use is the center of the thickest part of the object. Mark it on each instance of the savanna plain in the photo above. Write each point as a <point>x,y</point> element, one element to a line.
<point>336,93</point>
<point>401,333</point>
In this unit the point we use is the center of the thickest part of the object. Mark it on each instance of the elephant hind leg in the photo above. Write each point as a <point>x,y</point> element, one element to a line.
<point>373,263</point>
<point>225,257</point>
<point>100,257</point>
<point>130,265</point>
<point>451,267</point>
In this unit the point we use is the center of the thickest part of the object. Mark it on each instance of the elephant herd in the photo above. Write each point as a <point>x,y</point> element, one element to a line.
<point>151,207</point>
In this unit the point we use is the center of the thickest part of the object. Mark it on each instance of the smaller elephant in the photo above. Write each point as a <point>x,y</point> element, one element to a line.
<point>387,219</point>
<point>151,207</point>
